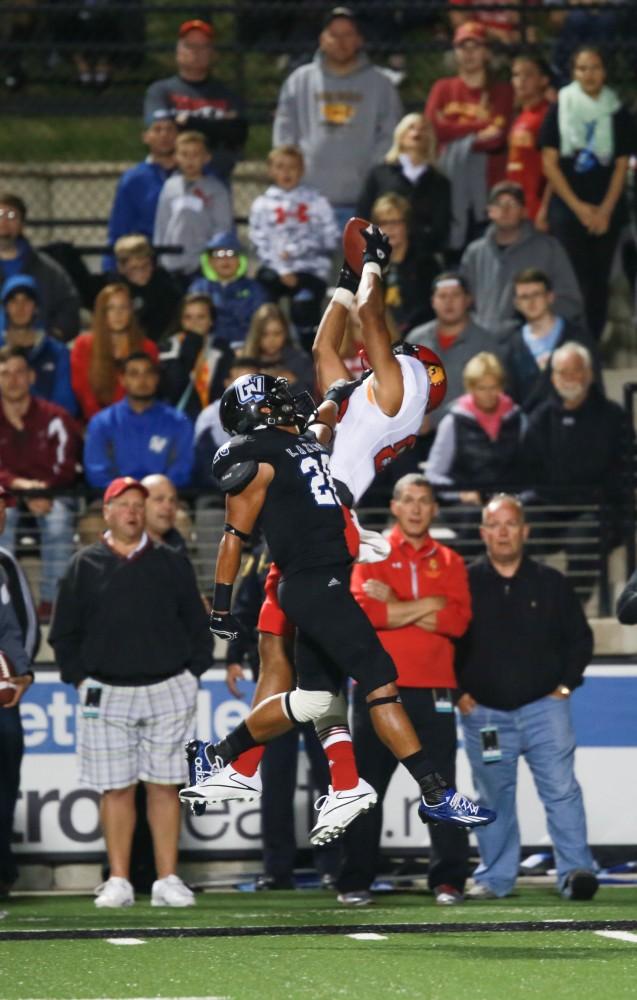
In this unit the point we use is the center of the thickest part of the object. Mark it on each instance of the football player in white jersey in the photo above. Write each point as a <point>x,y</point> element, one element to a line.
<point>378,416</point>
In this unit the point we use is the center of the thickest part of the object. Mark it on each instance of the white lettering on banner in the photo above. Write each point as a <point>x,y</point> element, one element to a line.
<point>35,722</point>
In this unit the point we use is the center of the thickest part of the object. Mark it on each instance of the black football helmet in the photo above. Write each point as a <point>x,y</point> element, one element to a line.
<point>245,402</point>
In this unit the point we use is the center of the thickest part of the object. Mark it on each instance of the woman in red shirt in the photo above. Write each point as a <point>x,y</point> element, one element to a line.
<point>96,356</point>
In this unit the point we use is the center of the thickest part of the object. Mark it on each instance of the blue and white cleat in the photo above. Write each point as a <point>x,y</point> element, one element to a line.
<point>211,781</point>
<point>443,804</point>
<point>198,768</point>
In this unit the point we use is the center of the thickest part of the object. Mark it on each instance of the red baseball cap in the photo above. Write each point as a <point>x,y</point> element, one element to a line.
<point>470,31</point>
<point>7,496</point>
<point>197,25</point>
<point>120,485</point>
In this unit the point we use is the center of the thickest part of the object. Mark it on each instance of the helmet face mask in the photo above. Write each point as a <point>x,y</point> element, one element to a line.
<point>263,401</point>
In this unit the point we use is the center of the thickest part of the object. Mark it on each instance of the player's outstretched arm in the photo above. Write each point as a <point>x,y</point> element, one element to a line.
<point>388,378</point>
<point>242,511</point>
<point>328,364</point>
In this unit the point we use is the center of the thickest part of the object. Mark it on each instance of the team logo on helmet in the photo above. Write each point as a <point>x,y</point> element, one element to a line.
<point>250,388</point>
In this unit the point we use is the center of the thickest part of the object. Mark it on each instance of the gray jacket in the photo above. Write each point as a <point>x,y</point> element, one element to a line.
<point>490,271</point>
<point>189,214</point>
<point>471,341</point>
<point>343,124</point>
<point>11,641</point>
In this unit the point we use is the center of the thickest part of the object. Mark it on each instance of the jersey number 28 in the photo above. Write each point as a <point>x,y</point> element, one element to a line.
<point>321,483</point>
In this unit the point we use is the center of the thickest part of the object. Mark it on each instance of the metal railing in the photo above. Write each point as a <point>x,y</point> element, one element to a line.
<point>577,537</point>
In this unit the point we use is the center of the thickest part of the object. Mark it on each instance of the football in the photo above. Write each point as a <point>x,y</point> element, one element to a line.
<point>354,244</point>
<point>7,672</point>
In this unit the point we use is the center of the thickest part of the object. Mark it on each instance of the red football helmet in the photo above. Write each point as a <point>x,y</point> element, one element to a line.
<point>435,371</point>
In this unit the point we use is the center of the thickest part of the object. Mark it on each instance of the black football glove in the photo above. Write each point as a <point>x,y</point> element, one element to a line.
<point>224,626</point>
<point>378,249</point>
<point>347,279</point>
<point>339,392</point>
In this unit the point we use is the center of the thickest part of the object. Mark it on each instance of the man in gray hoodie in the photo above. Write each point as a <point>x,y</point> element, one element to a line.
<point>341,110</point>
<point>510,245</point>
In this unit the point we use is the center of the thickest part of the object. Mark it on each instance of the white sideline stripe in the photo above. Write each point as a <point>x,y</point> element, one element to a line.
<point>367,937</point>
<point>124,941</point>
<point>147,998</point>
<point>618,936</point>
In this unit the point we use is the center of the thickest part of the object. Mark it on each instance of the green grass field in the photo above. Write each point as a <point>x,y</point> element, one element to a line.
<point>276,946</point>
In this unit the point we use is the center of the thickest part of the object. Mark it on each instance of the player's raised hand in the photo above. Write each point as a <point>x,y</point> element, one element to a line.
<point>377,247</point>
<point>224,626</point>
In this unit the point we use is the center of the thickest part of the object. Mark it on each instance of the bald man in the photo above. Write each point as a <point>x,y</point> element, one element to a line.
<point>162,507</point>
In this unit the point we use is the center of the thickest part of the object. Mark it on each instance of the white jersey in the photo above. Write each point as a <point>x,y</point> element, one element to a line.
<point>367,439</point>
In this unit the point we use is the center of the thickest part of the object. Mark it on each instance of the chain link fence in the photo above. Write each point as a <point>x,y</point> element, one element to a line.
<point>50,116</point>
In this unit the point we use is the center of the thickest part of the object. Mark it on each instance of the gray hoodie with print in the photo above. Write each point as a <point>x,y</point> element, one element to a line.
<point>343,124</point>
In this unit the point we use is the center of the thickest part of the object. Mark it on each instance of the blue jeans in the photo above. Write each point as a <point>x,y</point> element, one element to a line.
<point>543,734</point>
<point>56,542</point>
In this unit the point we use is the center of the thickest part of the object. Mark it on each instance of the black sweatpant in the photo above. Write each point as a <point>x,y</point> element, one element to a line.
<point>449,859</point>
<point>592,259</point>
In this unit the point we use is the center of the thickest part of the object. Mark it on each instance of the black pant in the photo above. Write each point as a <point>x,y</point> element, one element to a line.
<point>278,772</point>
<point>592,259</point>
<point>449,857</point>
<point>11,749</point>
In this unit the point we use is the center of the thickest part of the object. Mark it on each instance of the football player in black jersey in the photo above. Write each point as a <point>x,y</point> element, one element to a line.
<point>275,470</point>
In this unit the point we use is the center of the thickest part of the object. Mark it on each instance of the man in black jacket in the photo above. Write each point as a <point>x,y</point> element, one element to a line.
<point>20,639</point>
<point>130,632</point>
<point>573,453</point>
<point>525,651</point>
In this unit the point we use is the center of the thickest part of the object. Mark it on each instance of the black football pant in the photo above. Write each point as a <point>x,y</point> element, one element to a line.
<point>335,639</point>
<point>449,857</point>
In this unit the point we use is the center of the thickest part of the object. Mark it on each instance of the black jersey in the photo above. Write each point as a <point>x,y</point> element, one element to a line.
<point>302,517</point>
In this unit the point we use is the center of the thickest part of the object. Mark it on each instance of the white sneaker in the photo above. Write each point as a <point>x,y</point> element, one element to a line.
<point>171,891</point>
<point>338,809</point>
<point>115,892</point>
<point>222,785</point>
<point>479,890</point>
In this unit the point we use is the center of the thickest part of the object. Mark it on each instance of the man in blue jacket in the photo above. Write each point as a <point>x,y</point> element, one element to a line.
<point>49,358</point>
<point>139,435</point>
<point>138,189</point>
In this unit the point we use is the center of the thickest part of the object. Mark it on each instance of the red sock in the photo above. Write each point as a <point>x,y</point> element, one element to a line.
<point>248,761</point>
<point>337,744</point>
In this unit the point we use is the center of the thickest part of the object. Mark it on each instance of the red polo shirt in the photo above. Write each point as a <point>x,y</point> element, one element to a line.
<point>422,659</point>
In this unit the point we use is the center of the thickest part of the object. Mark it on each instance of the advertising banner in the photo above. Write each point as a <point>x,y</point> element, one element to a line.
<point>56,818</point>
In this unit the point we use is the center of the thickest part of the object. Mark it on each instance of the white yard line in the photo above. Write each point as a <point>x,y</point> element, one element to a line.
<point>618,936</point>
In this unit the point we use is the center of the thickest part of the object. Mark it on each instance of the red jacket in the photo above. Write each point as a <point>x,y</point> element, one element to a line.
<point>422,659</point>
<point>80,364</point>
<point>456,110</point>
<point>48,448</point>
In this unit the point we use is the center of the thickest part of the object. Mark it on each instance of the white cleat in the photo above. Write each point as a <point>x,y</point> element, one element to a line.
<point>338,809</point>
<point>223,784</point>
